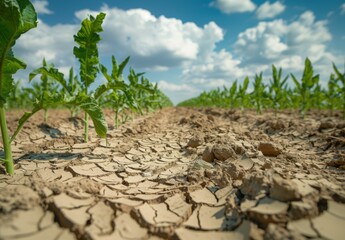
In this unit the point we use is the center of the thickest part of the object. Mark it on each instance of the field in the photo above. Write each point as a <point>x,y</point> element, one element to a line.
<point>262,159</point>
<point>178,173</point>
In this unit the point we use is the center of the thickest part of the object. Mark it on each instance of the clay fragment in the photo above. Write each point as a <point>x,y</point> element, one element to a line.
<point>284,190</point>
<point>223,152</point>
<point>269,211</point>
<point>269,149</point>
<point>195,141</point>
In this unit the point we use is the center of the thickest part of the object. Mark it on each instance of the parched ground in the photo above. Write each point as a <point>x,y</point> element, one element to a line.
<point>178,174</point>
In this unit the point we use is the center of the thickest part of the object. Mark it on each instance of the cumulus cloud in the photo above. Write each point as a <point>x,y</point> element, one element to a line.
<point>41,7</point>
<point>217,69</point>
<point>54,43</point>
<point>271,41</point>
<point>178,92</point>
<point>167,86</point>
<point>234,6</point>
<point>287,45</point>
<point>154,42</point>
<point>268,10</point>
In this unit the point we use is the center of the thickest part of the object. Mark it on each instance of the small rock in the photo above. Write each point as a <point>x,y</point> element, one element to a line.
<point>223,152</point>
<point>195,141</point>
<point>326,125</point>
<point>269,149</point>
<point>283,190</point>
<point>208,155</point>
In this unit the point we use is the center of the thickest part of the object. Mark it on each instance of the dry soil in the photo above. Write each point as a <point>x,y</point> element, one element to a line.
<point>178,173</point>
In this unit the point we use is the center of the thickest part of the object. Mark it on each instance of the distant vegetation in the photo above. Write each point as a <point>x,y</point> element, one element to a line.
<point>306,93</point>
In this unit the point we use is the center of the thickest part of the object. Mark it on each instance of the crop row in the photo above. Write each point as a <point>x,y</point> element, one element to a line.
<point>136,92</point>
<point>304,94</point>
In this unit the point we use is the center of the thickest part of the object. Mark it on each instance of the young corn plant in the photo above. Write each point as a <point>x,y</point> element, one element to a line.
<point>232,95</point>
<point>304,89</point>
<point>258,93</point>
<point>16,18</point>
<point>341,89</point>
<point>332,94</point>
<point>74,87</point>
<point>276,89</point>
<point>45,88</point>
<point>242,94</point>
<point>119,95</point>
<point>87,53</point>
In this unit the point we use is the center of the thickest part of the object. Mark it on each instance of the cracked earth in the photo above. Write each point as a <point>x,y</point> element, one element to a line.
<point>177,174</point>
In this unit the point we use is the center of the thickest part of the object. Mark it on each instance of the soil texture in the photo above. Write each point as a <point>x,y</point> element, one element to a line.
<point>178,173</point>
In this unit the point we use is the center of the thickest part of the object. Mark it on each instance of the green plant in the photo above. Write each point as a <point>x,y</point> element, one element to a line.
<point>74,87</point>
<point>118,96</point>
<point>305,88</point>
<point>16,18</point>
<point>76,95</point>
<point>242,94</point>
<point>340,89</point>
<point>331,94</point>
<point>87,53</point>
<point>258,93</point>
<point>277,93</point>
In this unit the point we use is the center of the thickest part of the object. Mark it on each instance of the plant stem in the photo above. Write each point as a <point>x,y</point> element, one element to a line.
<point>86,127</point>
<point>45,115</point>
<point>6,142</point>
<point>116,118</point>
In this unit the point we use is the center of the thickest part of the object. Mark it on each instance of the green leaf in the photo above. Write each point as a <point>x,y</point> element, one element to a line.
<point>16,18</point>
<point>298,85</point>
<point>340,76</point>
<point>100,90</point>
<point>90,106</point>
<point>87,52</point>
<point>122,66</point>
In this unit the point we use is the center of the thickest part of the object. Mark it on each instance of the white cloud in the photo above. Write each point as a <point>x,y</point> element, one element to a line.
<point>41,7</point>
<point>178,92</point>
<point>286,45</point>
<point>167,86</point>
<point>267,10</point>
<point>234,6</point>
<point>216,69</point>
<point>54,43</point>
<point>342,7</point>
<point>153,42</point>
<point>271,41</point>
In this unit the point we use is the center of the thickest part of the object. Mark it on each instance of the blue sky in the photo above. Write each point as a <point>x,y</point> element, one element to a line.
<point>188,46</point>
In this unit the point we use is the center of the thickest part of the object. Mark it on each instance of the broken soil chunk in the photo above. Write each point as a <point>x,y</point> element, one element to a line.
<point>284,190</point>
<point>203,196</point>
<point>269,149</point>
<point>269,211</point>
<point>223,152</point>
